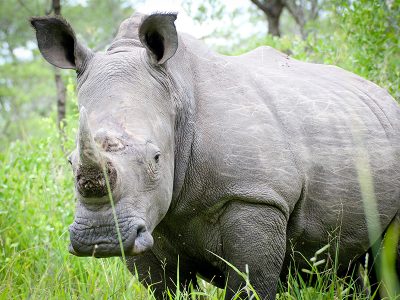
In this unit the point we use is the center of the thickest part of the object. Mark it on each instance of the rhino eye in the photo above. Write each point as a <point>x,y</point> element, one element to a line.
<point>157,157</point>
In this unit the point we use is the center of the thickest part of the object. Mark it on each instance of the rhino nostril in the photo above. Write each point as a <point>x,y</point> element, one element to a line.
<point>140,230</point>
<point>143,241</point>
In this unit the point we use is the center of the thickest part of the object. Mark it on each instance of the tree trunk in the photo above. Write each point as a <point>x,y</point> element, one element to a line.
<point>60,86</point>
<point>57,7</point>
<point>297,12</point>
<point>61,97</point>
<point>273,25</point>
<point>301,11</point>
<point>272,10</point>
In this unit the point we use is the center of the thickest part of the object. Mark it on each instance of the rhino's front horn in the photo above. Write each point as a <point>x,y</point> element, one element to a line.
<point>90,174</point>
<point>88,152</point>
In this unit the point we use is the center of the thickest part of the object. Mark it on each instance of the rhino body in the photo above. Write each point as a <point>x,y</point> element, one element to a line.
<point>250,158</point>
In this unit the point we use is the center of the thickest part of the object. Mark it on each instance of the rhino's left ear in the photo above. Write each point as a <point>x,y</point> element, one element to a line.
<point>58,44</point>
<point>158,35</point>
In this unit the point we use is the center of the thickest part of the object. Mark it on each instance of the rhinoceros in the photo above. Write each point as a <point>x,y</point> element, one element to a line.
<point>207,159</point>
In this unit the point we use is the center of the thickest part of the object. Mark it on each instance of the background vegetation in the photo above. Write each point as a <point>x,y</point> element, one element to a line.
<point>36,186</point>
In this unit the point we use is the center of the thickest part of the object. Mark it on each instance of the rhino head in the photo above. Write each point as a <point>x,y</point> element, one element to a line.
<point>124,160</point>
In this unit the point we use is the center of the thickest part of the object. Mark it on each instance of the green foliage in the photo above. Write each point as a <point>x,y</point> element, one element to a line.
<point>205,11</point>
<point>372,30</point>
<point>22,83</point>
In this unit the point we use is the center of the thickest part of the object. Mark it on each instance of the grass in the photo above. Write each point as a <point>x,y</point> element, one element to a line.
<point>37,205</point>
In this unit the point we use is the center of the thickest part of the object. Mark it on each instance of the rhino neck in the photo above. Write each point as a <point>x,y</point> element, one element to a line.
<point>182,92</point>
<point>188,69</point>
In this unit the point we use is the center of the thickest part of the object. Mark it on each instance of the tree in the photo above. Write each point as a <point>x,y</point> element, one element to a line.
<point>302,12</point>
<point>272,10</point>
<point>60,86</point>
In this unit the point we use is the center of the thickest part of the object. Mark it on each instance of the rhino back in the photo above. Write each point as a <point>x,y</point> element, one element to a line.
<point>339,125</point>
<point>298,130</point>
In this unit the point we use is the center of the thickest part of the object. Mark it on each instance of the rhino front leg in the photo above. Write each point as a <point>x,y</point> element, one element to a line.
<point>254,235</point>
<point>149,271</point>
<point>157,274</point>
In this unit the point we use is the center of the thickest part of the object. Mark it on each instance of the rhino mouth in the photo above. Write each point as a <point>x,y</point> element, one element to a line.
<point>101,240</point>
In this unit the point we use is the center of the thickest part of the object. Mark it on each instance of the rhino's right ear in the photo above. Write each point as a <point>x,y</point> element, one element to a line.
<point>58,44</point>
<point>158,35</point>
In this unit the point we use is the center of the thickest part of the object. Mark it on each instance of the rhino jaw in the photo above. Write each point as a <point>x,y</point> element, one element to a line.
<point>102,241</point>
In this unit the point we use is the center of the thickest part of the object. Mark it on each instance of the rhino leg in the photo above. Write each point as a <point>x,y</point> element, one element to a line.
<point>158,275</point>
<point>254,235</point>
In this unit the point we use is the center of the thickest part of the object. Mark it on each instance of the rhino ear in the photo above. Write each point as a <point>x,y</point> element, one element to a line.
<point>58,44</point>
<point>158,35</point>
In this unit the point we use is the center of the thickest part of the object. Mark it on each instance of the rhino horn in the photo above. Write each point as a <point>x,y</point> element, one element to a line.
<point>89,154</point>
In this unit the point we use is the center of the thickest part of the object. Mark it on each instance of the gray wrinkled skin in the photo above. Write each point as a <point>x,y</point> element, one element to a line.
<point>258,157</point>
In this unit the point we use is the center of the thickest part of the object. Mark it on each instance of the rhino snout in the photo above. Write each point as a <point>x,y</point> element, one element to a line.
<point>102,241</point>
